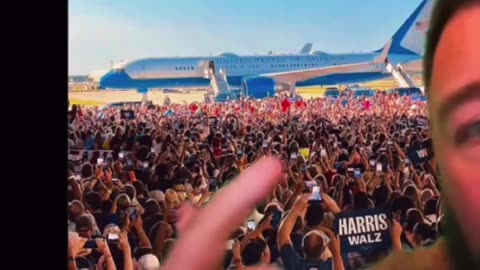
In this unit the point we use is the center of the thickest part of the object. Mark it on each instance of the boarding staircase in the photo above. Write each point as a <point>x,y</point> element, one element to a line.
<point>401,76</point>
<point>218,81</point>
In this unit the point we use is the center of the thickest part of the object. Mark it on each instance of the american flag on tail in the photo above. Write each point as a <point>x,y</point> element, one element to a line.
<point>422,26</point>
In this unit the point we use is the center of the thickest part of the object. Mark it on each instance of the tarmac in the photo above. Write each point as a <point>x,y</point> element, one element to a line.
<point>102,97</point>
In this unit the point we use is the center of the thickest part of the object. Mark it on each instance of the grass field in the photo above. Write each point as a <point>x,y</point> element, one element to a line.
<point>99,98</point>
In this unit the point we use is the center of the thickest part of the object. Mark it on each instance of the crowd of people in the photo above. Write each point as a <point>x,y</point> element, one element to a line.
<point>132,167</point>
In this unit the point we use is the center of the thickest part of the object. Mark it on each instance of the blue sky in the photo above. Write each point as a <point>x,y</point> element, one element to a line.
<point>105,30</point>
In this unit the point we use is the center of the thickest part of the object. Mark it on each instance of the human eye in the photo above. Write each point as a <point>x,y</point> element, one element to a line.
<point>468,134</point>
<point>465,128</point>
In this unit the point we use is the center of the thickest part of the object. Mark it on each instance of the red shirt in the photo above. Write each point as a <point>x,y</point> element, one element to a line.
<point>194,107</point>
<point>367,105</point>
<point>301,104</point>
<point>218,112</point>
<point>286,105</point>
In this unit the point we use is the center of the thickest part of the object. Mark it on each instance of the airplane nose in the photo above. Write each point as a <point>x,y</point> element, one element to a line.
<point>115,79</point>
<point>107,79</point>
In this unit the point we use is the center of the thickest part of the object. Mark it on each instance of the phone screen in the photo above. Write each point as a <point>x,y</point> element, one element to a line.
<point>372,162</point>
<point>379,167</point>
<point>251,225</point>
<point>357,174</point>
<point>323,153</point>
<point>293,156</point>
<point>145,165</point>
<point>99,161</point>
<point>316,196</point>
<point>121,155</point>
<point>112,237</point>
<point>132,211</point>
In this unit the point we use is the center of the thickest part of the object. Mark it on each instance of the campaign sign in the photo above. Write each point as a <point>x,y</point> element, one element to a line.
<point>364,236</point>
<point>127,114</point>
<point>421,121</point>
<point>421,152</point>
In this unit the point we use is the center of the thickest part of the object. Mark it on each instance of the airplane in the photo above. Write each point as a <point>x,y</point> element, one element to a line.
<point>262,76</point>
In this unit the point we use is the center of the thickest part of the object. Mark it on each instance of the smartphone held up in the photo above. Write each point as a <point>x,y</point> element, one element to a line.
<point>315,196</point>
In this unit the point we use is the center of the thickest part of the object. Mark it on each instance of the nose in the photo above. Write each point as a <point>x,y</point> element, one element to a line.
<point>115,80</point>
<point>106,80</point>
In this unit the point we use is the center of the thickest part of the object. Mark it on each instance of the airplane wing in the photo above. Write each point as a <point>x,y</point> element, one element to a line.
<point>303,75</point>
<point>378,65</point>
<point>306,48</point>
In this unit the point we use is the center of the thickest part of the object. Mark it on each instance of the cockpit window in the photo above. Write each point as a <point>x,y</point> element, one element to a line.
<point>118,70</point>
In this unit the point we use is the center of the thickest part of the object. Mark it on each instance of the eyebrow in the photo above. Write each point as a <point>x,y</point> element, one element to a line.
<point>462,96</point>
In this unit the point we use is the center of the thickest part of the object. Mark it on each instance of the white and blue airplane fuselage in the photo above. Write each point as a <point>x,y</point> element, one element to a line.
<point>264,72</point>
<point>188,72</point>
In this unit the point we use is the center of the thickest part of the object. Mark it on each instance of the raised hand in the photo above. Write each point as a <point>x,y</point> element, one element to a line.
<point>77,246</point>
<point>334,245</point>
<point>99,172</point>
<point>123,241</point>
<point>396,229</point>
<point>236,250</point>
<point>215,222</point>
<point>266,224</point>
<point>138,223</point>
<point>108,175</point>
<point>300,187</point>
<point>102,246</point>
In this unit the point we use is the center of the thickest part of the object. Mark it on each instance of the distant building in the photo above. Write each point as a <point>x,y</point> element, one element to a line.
<point>96,75</point>
<point>90,82</point>
<point>77,78</point>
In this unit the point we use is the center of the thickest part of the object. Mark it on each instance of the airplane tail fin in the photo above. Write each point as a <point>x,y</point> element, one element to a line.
<point>307,48</point>
<point>410,38</point>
